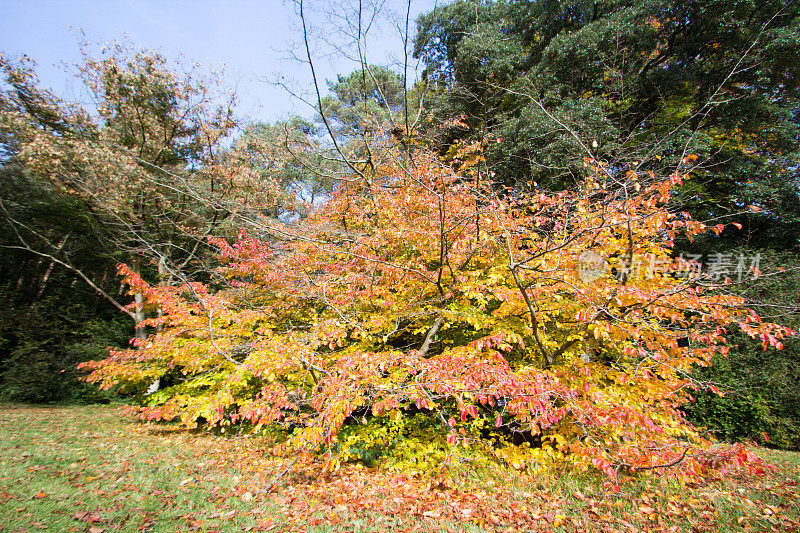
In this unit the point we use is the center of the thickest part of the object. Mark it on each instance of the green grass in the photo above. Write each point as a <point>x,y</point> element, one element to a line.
<point>789,461</point>
<point>90,468</point>
<point>72,467</point>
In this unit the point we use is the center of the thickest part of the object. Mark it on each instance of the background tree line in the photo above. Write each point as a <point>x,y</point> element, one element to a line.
<point>537,86</point>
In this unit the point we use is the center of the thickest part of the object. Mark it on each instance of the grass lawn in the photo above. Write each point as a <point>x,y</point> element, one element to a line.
<point>91,469</point>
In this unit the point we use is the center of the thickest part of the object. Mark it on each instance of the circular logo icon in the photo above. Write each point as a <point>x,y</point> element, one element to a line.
<point>591,266</point>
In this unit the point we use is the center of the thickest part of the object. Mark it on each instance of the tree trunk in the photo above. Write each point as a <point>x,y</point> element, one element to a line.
<point>138,298</point>
<point>49,270</point>
<point>162,278</point>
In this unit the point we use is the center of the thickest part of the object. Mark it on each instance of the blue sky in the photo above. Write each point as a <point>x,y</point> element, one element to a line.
<point>254,39</point>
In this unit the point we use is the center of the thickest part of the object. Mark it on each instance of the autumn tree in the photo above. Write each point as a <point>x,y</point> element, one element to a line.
<point>430,313</point>
<point>421,316</point>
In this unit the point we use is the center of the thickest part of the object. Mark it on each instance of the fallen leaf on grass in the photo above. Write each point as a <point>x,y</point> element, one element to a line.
<point>86,516</point>
<point>265,525</point>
